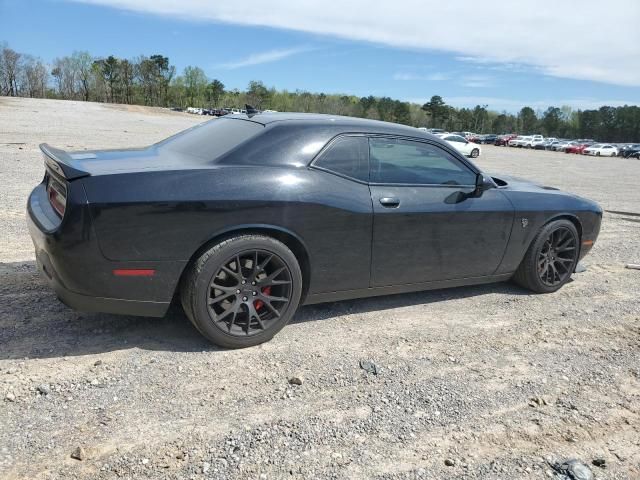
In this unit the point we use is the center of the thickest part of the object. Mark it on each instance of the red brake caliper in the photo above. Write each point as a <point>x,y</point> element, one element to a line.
<point>259,303</point>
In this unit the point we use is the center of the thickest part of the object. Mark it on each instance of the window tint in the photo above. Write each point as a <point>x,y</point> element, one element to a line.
<point>404,161</point>
<point>212,139</point>
<point>346,156</point>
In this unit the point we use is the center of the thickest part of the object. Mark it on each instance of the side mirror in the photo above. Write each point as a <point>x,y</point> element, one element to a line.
<point>482,185</point>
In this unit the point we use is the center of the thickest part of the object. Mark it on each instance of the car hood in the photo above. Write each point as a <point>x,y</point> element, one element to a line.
<point>509,182</point>
<point>519,190</point>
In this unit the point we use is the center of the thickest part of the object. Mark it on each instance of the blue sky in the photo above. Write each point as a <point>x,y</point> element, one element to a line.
<point>476,59</point>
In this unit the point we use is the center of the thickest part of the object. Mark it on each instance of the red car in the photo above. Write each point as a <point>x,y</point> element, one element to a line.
<point>503,140</point>
<point>579,148</point>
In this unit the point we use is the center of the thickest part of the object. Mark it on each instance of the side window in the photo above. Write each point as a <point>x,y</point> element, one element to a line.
<point>404,161</point>
<point>347,156</point>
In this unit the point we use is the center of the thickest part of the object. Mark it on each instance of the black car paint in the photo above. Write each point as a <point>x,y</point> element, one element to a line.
<point>154,208</point>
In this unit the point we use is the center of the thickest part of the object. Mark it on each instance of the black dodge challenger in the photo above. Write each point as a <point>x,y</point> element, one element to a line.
<point>246,217</point>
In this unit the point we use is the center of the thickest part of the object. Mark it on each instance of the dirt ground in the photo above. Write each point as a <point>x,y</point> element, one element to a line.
<point>481,382</point>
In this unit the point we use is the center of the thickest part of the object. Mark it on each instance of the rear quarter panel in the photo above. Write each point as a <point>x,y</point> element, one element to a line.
<point>168,216</point>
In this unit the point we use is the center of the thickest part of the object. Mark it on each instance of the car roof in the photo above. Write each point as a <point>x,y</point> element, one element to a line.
<point>348,123</point>
<point>290,132</point>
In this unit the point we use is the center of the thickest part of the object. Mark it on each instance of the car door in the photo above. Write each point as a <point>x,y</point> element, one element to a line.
<point>423,228</point>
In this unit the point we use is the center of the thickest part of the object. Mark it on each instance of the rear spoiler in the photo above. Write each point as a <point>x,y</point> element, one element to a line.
<point>61,162</point>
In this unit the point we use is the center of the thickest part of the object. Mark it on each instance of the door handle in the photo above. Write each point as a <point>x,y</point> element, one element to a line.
<point>390,202</point>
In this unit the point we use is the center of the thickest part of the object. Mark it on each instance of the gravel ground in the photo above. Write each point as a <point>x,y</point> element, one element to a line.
<point>481,382</point>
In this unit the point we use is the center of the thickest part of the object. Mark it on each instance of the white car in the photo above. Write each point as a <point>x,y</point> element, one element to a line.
<point>515,141</point>
<point>461,144</point>
<point>601,150</point>
<point>535,140</point>
<point>521,141</point>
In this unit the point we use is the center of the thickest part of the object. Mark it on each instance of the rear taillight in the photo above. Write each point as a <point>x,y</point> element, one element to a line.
<point>57,194</point>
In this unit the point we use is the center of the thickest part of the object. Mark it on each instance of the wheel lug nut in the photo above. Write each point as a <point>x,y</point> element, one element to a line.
<point>244,299</point>
<point>238,291</point>
<point>253,283</point>
<point>244,282</point>
<point>255,293</point>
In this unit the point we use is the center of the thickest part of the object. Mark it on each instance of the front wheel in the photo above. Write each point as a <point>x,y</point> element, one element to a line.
<point>551,258</point>
<point>243,290</point>
<point>474,153</point>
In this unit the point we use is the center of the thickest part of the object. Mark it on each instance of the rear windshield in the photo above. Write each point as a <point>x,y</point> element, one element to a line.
<point>214,138</point>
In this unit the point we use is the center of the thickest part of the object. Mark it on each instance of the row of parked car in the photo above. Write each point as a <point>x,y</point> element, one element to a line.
<point>584,146</point>
<point>214,112</point>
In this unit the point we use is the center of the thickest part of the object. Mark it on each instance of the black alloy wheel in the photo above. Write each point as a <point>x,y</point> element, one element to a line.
<point>551,258</point>
<point>557,257</point>
<point>243,290</point>
<point>249,291</point>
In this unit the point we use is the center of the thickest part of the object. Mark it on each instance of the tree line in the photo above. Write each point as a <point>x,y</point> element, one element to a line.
<point>153,80</point>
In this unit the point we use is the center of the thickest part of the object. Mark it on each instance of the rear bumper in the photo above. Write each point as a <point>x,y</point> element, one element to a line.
<point>70,259</point>
<point>87,303</point>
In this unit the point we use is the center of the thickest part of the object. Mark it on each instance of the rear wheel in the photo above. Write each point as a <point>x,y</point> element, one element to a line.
<point>474,153</point>
<point>243,290</point>
<point>551,258</point>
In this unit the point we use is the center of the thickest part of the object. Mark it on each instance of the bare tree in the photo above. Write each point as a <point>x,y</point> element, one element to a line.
<point>10,71</point>
<point>36,77</point>
<point>126,80</point>
<point>82,63</point>
<point>64,71</point>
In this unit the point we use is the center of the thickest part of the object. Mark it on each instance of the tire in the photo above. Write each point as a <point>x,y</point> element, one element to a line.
<point>246,318</point>
<point>475,153</point>
<point>597,154</point>
<point>529,275</point>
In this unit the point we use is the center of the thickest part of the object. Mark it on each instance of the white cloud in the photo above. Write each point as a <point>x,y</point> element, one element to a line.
<point>430,77</point>
<point>582,39</point>
<point>263,57</point>
<point>469,81</point>
<point>476,81</point>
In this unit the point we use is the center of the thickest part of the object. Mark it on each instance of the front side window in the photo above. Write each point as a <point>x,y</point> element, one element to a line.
<point>346,156</point>
<point>395,160</point>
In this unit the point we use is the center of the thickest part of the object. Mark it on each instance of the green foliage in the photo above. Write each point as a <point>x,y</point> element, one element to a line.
<point>528,120</point>
<point>437,110</point>
<point>215,90</point>
<point>551,120</point>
